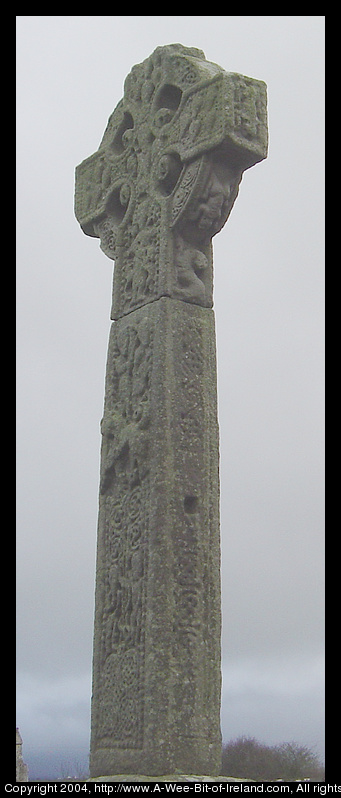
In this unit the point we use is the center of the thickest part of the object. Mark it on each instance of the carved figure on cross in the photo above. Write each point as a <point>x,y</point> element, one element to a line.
<point>167,173</point>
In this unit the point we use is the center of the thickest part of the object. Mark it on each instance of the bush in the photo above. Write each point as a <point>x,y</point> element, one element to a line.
<point>298,761</point>
<point>247,758</point>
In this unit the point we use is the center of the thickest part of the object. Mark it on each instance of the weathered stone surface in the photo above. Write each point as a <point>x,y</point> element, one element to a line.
<point>167,172</point>
<point>21,768</point>
<point>162,183</point>
<point>157,624</point>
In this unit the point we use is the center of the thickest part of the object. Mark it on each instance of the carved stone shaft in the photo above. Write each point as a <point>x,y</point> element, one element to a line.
<point>157,625</point>
<point>162,183</point>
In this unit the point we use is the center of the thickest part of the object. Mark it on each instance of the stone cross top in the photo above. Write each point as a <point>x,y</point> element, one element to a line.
<point>166,174</point>
<point>160,186</point>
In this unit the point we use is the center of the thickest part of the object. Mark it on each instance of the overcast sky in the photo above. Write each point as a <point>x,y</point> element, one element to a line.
<point>269,304</point>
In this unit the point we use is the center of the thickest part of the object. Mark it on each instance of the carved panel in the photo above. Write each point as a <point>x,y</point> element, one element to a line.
<point>123,526</point>
<point>119,692</point>
<point>196,534</point>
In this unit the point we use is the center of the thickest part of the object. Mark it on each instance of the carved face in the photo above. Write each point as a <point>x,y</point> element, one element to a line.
<point>210,201</point>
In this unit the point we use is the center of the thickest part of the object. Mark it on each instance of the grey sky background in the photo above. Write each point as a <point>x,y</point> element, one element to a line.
<point>269,304</point>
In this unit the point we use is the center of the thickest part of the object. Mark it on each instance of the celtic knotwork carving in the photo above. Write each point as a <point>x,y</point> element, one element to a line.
<point>191,368</point>
<point>172,155</point>
<point>120,716</point>
<point>161,184</point>
<point>121,653</point>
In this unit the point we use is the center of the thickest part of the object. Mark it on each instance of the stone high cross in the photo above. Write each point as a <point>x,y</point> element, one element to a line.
<point>160,186</point>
